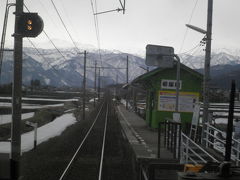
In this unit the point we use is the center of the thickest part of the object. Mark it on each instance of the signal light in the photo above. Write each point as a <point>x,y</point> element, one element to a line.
<point>29,21</point>
<point>29,25</point>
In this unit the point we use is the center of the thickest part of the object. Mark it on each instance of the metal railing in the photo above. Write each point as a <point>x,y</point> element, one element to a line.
<point>191,152</point>
<point>214,141</point>
<point>171,138</point>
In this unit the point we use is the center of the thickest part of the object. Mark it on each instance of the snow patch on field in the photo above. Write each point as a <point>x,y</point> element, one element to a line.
<point>31,106</point>
<point>4,119</point>
<point>44,133</point>
<point>43,99</point>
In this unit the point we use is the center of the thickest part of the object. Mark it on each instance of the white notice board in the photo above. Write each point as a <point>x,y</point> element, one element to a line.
<point>187,101</point>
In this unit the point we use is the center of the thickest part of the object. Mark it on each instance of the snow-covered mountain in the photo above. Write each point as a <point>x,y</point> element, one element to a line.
<point>219,57</point>
<point>66,68</point>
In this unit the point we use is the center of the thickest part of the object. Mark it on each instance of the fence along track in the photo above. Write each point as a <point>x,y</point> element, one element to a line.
<point>70,164</point>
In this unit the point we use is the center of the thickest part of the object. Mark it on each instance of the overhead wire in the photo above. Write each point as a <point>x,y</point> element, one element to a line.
<point>96,25</point>
<point>53,46</point>
<point>48,14</point>
<point>186,31</point>
<point>94,10</point>
<point>76,48</point>
<point>49,38</point>
<point>190,50</point>
<point>71,37</point>
<point>65,27</point>
<point>40,54</point>
<point>197,50</point>
<point>95,17</point>
<point>3,36</point>
<point>2,45</point>
<point>70,24</point>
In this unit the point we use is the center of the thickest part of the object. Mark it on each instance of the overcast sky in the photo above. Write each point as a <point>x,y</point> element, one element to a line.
<point>145,22</point>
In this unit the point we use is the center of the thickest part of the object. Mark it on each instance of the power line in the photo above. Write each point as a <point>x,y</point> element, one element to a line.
<point>78,51</point>
<point>190,50</point>
<point>95,1</point>
<point>49,38</point>
<point>54,45</point>
<point>96,27</point>
<point>76,48</point>
<point>8,5</point>
<point>188,60</point>
<point>96,21</point>
<point>69,20</point>
<point>48,14</point>
<point>40,54</point>
<point>185,34</point>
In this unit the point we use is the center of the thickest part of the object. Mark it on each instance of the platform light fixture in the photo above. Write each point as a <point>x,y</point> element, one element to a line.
<point>195,28</point>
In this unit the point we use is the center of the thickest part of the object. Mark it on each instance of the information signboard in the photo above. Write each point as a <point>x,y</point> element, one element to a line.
<point>167,101</point>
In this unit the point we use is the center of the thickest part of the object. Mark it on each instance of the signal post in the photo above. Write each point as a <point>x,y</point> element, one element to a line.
<point>26,25</point>
<point>16,98</point>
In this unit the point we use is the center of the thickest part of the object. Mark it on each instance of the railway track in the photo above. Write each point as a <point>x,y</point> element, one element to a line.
<point>87,160</point>
<point>101,153</point>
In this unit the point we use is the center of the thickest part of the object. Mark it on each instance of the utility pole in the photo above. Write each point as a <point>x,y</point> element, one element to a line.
<point>99,85</point>
<point>16,98</point>
<point>127,83</point>
<point>8,5</point>
<point>116,86</point>
<point>84,85</point>
<point>134,99</point>
<point>99,78</point>
<point>95,83</point>
<point>127,70</point>
<point>206,79</point>
<point>228,146</point>
<point>178,83</point>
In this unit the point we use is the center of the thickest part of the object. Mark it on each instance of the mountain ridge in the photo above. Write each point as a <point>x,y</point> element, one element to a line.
<point>52,69</point>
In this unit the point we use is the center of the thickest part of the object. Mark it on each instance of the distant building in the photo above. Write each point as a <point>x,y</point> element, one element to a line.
<point>160,85</point>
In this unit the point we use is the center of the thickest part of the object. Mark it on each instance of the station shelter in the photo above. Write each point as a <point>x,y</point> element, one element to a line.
<point>160,85</point>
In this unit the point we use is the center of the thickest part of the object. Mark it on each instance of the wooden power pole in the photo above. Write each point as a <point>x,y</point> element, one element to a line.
<point>206,80</point>
<point>16,98</point>
<point>95,82</point>
<point>84,84</point>
<point>127,84</point>
<point>99,85</point>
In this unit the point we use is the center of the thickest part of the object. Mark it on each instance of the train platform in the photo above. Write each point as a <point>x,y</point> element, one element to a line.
<point>143,139</point>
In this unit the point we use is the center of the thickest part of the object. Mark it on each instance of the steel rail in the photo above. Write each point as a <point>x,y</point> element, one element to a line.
<point>103,146</point>
<point>80,146</point>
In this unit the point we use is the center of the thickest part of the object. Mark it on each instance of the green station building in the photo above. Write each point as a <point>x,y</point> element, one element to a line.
<point>160,85</point>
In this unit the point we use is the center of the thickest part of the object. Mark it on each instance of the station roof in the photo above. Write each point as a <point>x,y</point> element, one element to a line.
<point>147,76</point>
